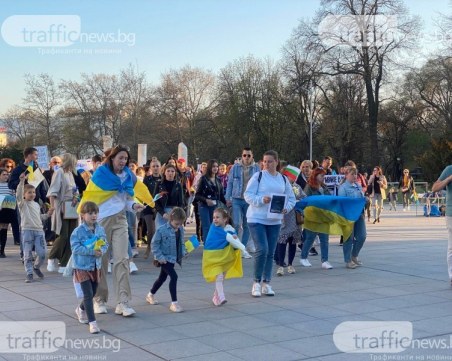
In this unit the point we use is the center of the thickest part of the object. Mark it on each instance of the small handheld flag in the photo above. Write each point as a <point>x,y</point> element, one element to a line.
<point>191,244</point>
<point>94,243</point>
<point>30,171</point>
<point>291,172</point>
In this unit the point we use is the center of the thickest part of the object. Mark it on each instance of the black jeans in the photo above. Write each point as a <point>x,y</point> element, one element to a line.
<point>166,270</point>
<point>281,252</point>
<point>89,290</point>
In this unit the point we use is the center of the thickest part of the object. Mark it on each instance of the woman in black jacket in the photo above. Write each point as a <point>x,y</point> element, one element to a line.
<point>172,194</point>
<point>208,195</point>
<point>153,182</point>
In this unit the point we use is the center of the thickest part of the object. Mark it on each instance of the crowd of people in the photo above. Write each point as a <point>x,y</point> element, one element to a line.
<point>235,208</point>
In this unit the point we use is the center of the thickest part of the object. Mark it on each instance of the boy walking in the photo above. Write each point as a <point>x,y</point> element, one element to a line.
<point>32,229</point>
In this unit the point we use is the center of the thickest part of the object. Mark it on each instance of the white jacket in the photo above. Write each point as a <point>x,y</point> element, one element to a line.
<point>268,185</point>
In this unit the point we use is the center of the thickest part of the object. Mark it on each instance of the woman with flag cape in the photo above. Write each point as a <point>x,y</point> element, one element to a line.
<point>113,188</point>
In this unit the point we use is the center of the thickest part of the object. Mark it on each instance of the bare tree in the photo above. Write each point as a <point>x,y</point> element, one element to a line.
<point>42,103</point>
<point>365,38</point>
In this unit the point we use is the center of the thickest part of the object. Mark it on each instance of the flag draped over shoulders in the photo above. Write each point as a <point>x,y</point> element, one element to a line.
<point>104,184</point>
<point>219,256</point>
<point>331,214</point>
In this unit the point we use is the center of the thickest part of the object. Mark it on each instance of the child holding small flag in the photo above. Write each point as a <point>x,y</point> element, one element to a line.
<point>221,257</point>
<point>168,249</point>
<point>88,245</point>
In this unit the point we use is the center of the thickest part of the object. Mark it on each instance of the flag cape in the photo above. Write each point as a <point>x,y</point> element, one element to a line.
<point>104,184</point>
<point>331,214</point>
<point>219,256</point>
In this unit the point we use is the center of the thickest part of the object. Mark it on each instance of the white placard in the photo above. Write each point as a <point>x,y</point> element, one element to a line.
<point>274,215</point>
<point>43,157</point>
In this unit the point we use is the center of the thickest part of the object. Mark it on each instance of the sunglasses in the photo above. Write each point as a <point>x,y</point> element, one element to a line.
<point>246,155</point>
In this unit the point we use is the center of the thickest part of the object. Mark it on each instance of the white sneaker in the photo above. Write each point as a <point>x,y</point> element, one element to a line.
<point>404,209</point>
<point>280,271</point>
<point>61,269</point>
<point>250,247</point>
<point>51,266</point>
<point>93,328</point>
<point>267,290</point>
<point>409,208</point>
<point>151,299</point>
<point>124,309</point>
<point>326,265</point>
<point>135,253</point>
<point>305,263</point>
<point>256,290</point>
<point>246,255</point>
<point>100,307</point>
<point>109,267</point>
<point>175,307</point>
<point>133,267</point>
<point>81,315</point>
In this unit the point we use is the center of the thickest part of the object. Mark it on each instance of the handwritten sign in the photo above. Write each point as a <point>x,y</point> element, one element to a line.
<point>43,157</point>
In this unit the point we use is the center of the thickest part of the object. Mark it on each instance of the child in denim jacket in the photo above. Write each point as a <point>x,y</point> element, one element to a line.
<point>168,248</point>
<point>87,261</point>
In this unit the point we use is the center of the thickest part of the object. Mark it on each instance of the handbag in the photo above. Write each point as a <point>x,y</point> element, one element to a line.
<point>69,211</point>
<point>299,218</point>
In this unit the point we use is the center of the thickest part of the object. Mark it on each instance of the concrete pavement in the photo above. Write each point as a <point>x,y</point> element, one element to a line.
<point>404,278</point>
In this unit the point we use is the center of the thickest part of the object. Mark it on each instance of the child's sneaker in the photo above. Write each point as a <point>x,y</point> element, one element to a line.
<point>175,307</point>
<point>133,268</point>
<point>93,328</point>
<point>29,278</point>
<point>38,273</point>
<point>81,315</point>
<point>151,299</point>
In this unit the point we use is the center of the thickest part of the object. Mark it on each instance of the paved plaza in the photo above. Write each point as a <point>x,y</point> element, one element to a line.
<point>404,278</point>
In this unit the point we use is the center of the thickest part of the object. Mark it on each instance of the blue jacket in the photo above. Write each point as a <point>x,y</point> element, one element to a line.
<point>235,180</point>
<point>84,258</point>
<point>348,189</point>
<point>163,244</point>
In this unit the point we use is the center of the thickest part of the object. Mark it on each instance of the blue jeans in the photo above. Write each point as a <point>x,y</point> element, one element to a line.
<point>355,242</point>
<point>206,215</point>
<point>309,240</point>
<point>265,238</point>
<point>239,208</point>
<point>131,222</point>
<point>34,239</point>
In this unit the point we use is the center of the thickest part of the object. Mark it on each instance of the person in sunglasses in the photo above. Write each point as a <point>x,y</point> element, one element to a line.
<point>238,177</point>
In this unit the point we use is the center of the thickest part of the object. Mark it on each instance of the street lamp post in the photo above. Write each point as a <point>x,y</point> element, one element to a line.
<point>310,138</point>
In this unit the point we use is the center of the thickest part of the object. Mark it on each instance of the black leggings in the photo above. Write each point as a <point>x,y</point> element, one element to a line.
<point>166,270</point>
<point>3,238</point>
<point>89,290</point>
<point>281,252</point>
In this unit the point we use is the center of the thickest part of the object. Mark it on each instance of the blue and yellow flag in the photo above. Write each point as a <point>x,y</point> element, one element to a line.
<point>142,194</point>
<point>30,170</point>
<point>331,214</point>
<point>219,256</point>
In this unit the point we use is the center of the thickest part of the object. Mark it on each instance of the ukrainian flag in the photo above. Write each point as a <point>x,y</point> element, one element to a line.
<point>331,214</point>
<point>219,256</point>
<point>104,184</point>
